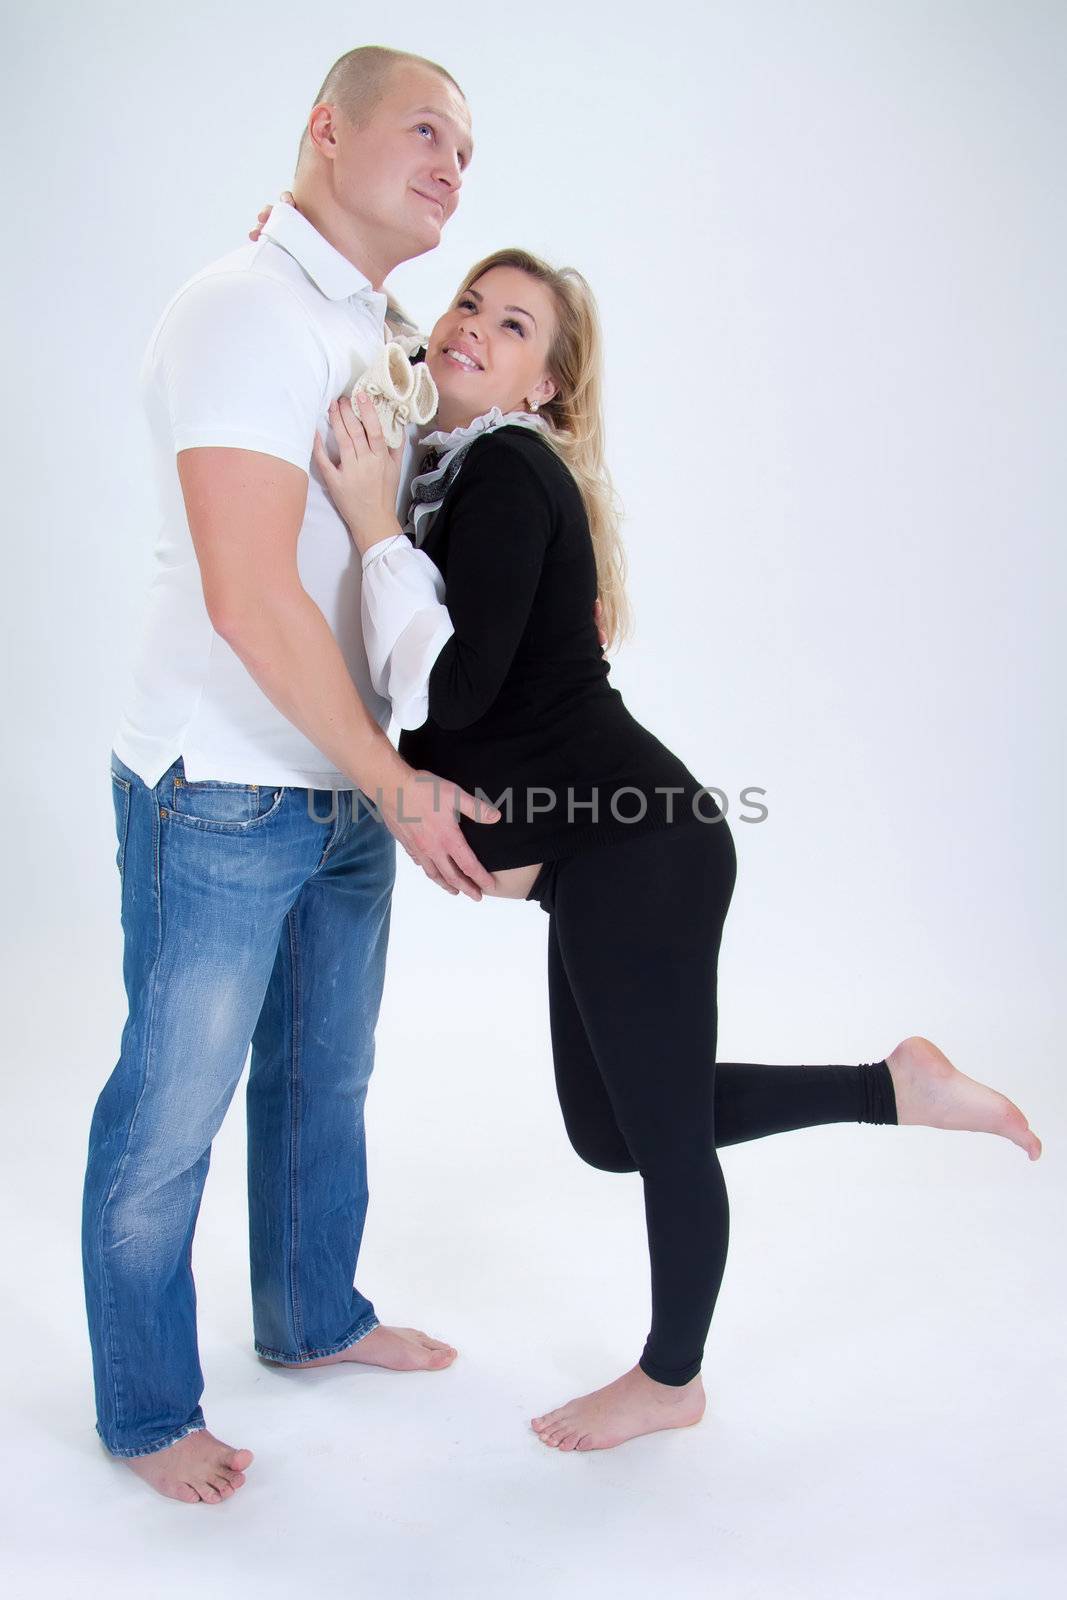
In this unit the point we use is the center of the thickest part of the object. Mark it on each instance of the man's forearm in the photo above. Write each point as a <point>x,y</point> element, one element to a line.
<point>287,646</point>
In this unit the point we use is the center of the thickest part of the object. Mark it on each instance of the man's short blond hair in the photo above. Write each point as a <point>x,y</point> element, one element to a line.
<point>357,83</point>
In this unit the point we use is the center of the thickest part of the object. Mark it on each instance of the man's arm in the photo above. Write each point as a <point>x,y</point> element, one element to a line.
<point>245,509</point>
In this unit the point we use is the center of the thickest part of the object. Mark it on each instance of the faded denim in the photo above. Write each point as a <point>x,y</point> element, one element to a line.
<point>245,920</point>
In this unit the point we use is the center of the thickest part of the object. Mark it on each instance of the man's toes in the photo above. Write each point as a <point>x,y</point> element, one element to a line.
<point>437,1344</point>
<point>546,1438</point>
<point>569,1440</point>
<point>209,1493</point>
<point>240,1460</point>
<point>186,1492</point>
<point>223,1488</point>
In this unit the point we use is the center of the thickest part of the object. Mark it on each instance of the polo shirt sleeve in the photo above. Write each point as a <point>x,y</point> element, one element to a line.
<point>239,363</point>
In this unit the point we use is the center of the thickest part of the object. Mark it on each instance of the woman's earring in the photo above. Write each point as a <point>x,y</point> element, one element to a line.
<point>534,406</point>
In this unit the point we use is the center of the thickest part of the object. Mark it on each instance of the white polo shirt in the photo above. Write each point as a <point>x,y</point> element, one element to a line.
<point>248,353</point>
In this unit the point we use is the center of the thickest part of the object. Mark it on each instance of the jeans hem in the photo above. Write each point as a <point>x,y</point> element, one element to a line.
<point>161,1444</point>
<point>367,1326</point>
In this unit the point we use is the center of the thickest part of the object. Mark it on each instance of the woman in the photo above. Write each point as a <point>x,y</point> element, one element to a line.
<point>480,628</point>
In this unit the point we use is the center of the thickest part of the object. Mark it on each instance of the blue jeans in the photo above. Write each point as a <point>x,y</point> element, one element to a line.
<point>245,919</point>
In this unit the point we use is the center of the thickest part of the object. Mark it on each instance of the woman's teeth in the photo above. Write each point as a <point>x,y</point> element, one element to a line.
<point>463,361</point>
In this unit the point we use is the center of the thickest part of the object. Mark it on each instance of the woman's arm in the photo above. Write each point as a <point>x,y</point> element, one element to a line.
<point>406,625</point>
<point>500,526</point>
<point>449,660</point>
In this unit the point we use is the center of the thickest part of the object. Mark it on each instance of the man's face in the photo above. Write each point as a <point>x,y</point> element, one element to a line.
<point>399,175</point>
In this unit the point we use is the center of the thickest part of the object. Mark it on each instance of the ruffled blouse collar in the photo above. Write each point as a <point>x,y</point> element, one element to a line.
<point>443,442</point>
<point>427,490</point>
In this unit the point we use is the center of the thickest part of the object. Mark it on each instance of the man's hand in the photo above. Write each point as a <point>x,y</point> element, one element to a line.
<point>422,817</point>
<point>286,197</point>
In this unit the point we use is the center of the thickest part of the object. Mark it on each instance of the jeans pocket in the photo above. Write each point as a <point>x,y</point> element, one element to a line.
<point>120,794</point>
<point>222,807</point>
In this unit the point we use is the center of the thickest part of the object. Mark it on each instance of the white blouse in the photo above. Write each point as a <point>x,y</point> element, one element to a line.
<point>406,623</point>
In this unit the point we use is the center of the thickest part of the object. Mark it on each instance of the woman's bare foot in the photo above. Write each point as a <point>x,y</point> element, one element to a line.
<point>932,1093</point>
<point>196,1468</point>
<point>399,1349</point>
<point>632,1405</point>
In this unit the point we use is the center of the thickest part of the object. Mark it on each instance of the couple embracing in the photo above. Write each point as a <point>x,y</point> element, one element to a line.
<point>312,584</point>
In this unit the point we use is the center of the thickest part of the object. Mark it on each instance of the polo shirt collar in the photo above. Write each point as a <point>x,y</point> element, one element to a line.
<point>336,276</point>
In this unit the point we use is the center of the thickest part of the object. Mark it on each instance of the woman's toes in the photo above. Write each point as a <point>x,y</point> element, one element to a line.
<point>569,1440</point>
<point>240,1460</point>
<point>224,1489</point>
<point>186,1492</point>
<point>209,1492</point>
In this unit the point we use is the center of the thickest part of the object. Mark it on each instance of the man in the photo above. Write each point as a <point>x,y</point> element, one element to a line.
<point>256,876</point>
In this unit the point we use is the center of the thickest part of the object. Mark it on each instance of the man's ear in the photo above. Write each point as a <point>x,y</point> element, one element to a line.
<point>326,143</point>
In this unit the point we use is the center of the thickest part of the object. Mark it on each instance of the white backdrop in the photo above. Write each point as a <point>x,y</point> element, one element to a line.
<point>827,243</point>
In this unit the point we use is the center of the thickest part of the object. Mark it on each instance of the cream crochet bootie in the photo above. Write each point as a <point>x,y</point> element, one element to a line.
<point>401,393</point>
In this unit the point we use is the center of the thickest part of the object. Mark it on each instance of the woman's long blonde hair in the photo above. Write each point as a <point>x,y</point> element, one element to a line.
<point>575,418</point>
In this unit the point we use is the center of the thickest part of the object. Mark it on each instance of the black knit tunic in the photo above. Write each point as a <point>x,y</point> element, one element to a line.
<point>520,707</point>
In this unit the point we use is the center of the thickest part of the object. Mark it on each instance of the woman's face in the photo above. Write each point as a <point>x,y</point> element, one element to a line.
<point>491,347</point>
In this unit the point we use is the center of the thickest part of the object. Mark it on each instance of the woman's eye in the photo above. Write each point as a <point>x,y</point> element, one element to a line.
<point>509,322</point>
<point>425,125</point>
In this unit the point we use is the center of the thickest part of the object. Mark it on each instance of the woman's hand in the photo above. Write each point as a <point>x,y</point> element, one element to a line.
<point>286,196</point>
<point>364,484</point>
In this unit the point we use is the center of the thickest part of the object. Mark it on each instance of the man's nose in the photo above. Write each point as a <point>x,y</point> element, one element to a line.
<point>448,171</point>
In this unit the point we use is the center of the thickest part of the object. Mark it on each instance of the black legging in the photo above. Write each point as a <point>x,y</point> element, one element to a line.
<point>633,944</point>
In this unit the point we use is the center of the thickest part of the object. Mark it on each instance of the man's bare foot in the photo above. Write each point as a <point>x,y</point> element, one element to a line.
<point>399,1349</point>
<point>196,1468</point>
<point>932,1093</point>
<point>632,1405</point>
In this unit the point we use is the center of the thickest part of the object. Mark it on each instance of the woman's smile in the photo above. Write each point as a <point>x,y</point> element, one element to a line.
<point>461,357</point>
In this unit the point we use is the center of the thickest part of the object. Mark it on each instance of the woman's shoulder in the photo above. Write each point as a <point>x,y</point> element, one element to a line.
<point>503,447</point>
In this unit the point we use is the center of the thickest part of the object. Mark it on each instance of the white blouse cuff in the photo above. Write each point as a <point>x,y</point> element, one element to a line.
<point>406,625</point>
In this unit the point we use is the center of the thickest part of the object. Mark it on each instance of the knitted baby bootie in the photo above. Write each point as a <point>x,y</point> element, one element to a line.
<point>401,393</point>
<point>424,397</point>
